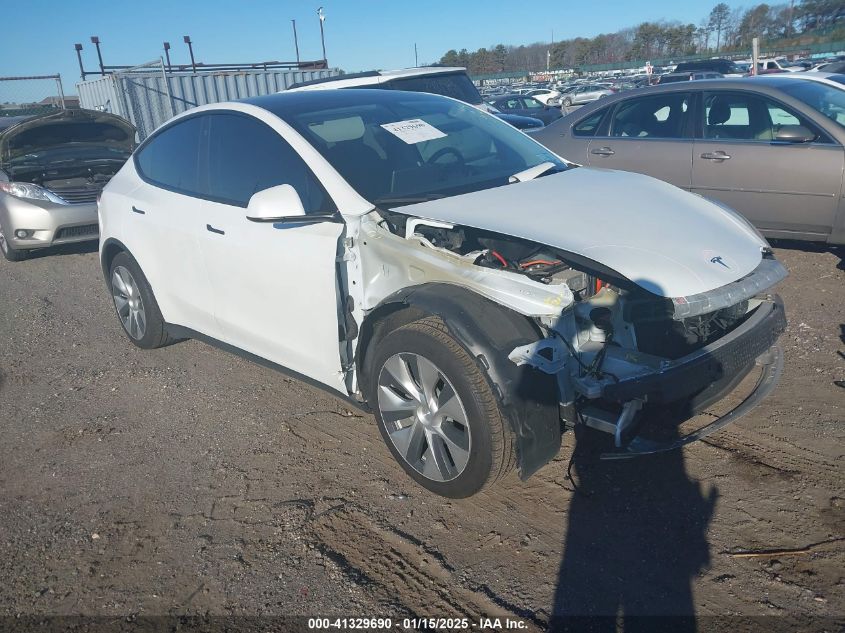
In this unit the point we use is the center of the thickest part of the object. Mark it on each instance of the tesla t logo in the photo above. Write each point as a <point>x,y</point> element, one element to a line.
<point>718,260</point>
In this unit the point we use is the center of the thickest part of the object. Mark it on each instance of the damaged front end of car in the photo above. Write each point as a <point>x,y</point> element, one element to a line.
<point>568,340</point>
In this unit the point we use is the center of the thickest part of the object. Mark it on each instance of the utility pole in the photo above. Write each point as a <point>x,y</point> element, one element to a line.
<point>295,41</point>
<point>322,17</point>
<point>416,58</point>
<point>167,53</point>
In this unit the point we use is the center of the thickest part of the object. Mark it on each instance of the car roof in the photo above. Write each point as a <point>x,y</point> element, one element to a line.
<point>374,77</point>
<point>287,104</point>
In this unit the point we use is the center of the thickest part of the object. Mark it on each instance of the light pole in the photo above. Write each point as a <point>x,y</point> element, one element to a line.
<point>78,48</point>
<point>167,53</point>
<point>295,42</point>
<point>187,40</point>
<point>96,42</point>
<point>322,17</point>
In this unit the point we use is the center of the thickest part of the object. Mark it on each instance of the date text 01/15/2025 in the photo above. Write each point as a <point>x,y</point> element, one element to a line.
<point>419,624</point>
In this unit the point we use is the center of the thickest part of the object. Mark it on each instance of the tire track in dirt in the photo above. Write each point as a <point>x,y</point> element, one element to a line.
<point>404,571</point>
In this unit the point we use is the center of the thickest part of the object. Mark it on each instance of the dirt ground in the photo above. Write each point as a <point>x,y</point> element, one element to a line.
<point>186,481</point>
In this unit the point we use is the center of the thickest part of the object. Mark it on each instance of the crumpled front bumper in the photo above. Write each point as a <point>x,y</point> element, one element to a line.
<point>771,368</point>
<point>707,368</point>
<point>708,375</point>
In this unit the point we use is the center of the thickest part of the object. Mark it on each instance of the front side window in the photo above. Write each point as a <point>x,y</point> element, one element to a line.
<point>659,116</point>
<point>246,156</point>
<point>746,116</point>
<point>828,100</point>
<point>417,147</point>
<point>170,159</point>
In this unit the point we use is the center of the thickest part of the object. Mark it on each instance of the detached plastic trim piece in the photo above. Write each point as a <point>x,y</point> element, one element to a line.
<point>772,368</point>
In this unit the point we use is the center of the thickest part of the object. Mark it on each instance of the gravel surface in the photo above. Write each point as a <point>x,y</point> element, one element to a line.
<point>187,481</point>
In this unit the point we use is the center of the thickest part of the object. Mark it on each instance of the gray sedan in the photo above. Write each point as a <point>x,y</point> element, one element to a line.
<point>585,93</point>
<point>768,147</point>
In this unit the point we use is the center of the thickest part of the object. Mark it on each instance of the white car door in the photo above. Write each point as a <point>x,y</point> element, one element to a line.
<point>161,226</point>
<point>275,284</point>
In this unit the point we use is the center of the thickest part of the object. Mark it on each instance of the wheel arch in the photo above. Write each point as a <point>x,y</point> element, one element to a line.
<point>488,331</point>
<point>108,251</point>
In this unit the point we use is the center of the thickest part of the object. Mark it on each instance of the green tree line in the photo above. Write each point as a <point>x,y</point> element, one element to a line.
<point>723,30</point>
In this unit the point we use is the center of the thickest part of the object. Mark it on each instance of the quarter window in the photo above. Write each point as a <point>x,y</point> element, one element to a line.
<point>246,156</point>
<point>590,125</point>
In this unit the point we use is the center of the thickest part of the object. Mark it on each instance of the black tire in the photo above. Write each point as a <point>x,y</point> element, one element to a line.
<point>12,254</point>
<point>155,330</point>
<point>492,453</point>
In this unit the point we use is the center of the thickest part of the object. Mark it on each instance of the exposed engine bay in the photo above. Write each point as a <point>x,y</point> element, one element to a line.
<point>604,334</point>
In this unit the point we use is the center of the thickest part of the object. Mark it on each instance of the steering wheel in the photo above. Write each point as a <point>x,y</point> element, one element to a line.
<point>444,151</point>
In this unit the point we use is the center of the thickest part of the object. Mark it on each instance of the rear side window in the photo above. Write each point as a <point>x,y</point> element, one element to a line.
<point>246,156</point>
<point>590,125</point>
<point>659,116</point>
<point>456,85</point>
<point>170,159</point>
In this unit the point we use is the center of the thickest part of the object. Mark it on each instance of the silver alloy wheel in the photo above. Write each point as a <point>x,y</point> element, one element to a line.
<point>3,246</point>
<point>128,302</point>
<point>424,417</point>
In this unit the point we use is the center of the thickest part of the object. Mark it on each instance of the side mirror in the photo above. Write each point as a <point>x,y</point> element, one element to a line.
<point>794,134</point>
<point>275,204</point>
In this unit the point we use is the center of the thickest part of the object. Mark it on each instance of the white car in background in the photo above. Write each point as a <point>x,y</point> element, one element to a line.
<point>406,252</point>
<point>545,96</point>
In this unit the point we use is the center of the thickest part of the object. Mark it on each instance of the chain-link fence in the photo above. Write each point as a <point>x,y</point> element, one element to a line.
<point>27,96</point>
<point>144,95</point>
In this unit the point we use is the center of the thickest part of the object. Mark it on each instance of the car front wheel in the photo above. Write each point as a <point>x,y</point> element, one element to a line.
<point>437,411</point>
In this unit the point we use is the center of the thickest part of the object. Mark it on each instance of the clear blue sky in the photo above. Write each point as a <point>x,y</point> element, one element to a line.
<point>40,34</point>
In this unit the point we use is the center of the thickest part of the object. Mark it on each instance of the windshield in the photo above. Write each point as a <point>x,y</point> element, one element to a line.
<point>414,147</point>
<point>826,99</point>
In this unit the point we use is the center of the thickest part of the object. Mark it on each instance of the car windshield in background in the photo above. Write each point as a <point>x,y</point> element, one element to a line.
<point>826,99</point>
<point>455,85</point>
<point>410,147</point>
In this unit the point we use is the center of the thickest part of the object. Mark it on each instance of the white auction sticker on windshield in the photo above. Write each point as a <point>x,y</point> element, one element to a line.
<point>413,131</point>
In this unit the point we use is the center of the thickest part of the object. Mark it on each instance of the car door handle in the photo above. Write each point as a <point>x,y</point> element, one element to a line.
<point>717,155</point>
<point>137,210</point>
<point>211,229</point>
<point>602,151</point>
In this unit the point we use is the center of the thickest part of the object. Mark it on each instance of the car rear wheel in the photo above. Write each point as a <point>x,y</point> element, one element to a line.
<point>11,254</point>
<point>135,304</point>
<point>437,412</point>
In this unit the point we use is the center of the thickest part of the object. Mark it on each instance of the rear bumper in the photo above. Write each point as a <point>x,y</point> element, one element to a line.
<point>707,374</point>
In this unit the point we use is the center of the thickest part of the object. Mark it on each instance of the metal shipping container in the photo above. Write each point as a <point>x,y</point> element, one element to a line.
<point>147,96</point>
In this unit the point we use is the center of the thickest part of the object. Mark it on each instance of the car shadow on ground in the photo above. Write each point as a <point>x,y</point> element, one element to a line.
<point>636,538</point>
<point>77,248</point>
